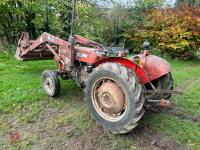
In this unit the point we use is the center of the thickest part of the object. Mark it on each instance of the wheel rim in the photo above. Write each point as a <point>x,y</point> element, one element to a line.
<point>109,100</point>
<point>48,85</point>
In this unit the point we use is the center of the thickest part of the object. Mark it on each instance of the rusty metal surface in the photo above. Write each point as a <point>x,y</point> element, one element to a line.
<point>41,48</point>
<point>164,103</point>
<point>87,54</point>
<point>154,66</point>
<point>86,42</point>
<point>141,74</point>
<point>111,97</point>
<point>90,52</point>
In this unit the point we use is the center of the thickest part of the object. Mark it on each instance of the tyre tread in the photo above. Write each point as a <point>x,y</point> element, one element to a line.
<point>133,84</point>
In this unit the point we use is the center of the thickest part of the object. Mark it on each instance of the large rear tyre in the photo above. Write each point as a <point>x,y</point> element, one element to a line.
<point>51,83</point>
<point>163,83</point>
<point>115,98</point>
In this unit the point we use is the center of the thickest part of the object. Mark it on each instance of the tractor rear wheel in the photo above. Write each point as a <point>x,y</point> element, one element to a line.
<point>115,97</point>
<point>163,83</point>
<point>51,83</point>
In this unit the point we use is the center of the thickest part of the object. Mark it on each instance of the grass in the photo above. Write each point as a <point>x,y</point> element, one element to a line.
<point>44,121</point>
<point>186,76</point>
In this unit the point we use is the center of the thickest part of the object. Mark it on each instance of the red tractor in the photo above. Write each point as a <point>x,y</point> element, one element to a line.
<point>117,89</point>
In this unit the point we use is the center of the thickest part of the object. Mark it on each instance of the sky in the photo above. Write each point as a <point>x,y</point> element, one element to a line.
<point>170,2</point>
<point>129,2</point>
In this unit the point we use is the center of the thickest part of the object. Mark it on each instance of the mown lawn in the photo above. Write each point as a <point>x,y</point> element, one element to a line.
<point>64,123</point>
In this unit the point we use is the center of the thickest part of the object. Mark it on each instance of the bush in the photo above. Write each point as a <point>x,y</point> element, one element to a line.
<point>175,31</point>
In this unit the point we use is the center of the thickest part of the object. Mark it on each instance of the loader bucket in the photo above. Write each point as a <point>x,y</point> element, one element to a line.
<point>25,53</point>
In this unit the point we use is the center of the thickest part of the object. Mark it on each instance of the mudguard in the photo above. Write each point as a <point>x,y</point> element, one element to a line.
<point>129,64</point>
<point>154,66</point>
<point>151,68</point>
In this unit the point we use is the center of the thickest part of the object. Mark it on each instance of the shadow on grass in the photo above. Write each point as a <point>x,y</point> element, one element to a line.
<point>69,90</point>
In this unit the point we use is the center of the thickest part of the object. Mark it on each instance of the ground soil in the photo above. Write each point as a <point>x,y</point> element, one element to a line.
<point>62,137</point>
<point>148,139</point>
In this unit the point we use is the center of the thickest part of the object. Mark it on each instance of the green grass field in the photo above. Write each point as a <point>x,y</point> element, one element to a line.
<point>64,123</point>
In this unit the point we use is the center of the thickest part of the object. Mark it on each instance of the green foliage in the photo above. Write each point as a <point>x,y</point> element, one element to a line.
<point>144,5</point>
<point>91,22</point>
<point>34,17</point>
<point>102,24</point>
<point>190,2</point>
<point>175,31</point>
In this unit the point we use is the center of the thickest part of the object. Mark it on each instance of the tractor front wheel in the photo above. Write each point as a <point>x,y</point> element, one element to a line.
<point>115,98</point>
<point>51,83</point>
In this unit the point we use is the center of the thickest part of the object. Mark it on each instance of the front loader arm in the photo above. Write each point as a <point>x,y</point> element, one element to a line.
<point>86,42</point>
<point>42,48</point>
<point>43,39</point>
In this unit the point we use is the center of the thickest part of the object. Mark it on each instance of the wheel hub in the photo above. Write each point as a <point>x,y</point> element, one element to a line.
<point>48,84</point>
<point>107,99</point>
<point>111,97</point>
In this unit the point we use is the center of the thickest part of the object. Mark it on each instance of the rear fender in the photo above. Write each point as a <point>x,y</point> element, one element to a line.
<point>155,66</point>
<point>129,64</point>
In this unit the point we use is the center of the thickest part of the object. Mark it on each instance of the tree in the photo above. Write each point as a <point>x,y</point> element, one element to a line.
<point>190,2</point>
<point>34,17</point>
